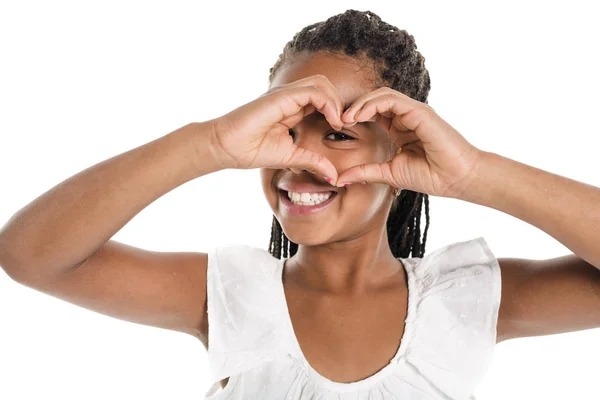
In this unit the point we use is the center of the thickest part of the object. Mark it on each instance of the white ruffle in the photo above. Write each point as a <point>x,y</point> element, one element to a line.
<point>244,313</point>
<point>459,290</point>
<point>450,335</point>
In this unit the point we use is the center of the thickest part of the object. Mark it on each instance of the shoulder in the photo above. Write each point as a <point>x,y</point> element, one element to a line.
<point>240,277</point>
<point>241,258</point>
<point>493,279</point>
<point>463,280</point>
<point>233,271</point>
<point>461,259</point>
<point>245,309</point>
<point>453,312</point>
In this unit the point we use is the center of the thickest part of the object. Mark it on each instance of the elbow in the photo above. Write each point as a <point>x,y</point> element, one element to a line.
<point>6,265</point>
<point>10,265</point>
<point>13,266</point>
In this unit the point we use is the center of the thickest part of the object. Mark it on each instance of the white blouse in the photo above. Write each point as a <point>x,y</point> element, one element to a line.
<point>445,351</point>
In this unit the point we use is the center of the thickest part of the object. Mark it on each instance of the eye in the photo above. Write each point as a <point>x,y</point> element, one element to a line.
<point>347,137</point>
<point>344,137</point>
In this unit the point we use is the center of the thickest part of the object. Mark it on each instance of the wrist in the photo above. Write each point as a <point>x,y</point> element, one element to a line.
<point>205,154</point>
<point>465,188</point>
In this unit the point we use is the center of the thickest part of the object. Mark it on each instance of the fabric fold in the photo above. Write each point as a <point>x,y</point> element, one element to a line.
<point>457,312</point>
<point>244,316</point>
<point>450,335</point>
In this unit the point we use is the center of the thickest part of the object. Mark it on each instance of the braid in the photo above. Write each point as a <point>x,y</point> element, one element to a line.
<point>393,52</point>
<point>285,246</point>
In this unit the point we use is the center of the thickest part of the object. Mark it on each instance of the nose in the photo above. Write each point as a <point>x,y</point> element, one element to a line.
<point>307,138</point>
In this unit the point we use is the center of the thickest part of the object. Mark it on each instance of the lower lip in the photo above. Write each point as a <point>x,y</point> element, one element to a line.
<point>304,210</point>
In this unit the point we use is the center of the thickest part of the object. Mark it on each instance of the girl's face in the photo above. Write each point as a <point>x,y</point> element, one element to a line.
<point>357,208</point>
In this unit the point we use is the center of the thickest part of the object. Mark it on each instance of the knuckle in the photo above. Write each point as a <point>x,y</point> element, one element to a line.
<point>314,88</point>
<point>388,96</point>
<point>323,81</point>
<point>425,109</point>
<point>274,89</point>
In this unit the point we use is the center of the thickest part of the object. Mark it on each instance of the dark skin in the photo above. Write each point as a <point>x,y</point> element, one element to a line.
<point>344,288</point>
<point>343,278</point>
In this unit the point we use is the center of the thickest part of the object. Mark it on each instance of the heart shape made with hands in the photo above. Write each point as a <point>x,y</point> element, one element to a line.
<point>432,157</point>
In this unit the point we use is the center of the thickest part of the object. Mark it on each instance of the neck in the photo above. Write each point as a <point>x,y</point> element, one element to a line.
<point>352,266</point>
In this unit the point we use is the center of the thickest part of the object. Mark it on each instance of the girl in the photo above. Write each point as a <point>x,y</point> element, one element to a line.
<point>344,304</point>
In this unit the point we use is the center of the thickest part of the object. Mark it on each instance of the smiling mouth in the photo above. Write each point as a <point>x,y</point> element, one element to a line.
<point>301,204</point>
<point>306,199</point>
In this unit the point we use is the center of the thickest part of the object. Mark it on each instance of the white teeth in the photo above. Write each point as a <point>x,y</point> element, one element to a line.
<point>308,199</point>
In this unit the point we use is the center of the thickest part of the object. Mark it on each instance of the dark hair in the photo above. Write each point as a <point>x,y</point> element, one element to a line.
<point>400,66</point>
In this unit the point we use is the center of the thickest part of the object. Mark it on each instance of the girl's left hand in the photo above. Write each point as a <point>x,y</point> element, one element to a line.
<point>432,157</point>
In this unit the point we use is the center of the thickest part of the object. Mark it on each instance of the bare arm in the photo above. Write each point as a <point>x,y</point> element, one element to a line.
<point>67,224</point>
<point>59,243</point>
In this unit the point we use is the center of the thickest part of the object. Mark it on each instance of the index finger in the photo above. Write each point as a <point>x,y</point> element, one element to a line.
<point>323,83</point>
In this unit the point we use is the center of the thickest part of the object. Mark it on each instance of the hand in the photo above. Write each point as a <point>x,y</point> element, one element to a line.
<point>256,135</point>
<point>432,157</point>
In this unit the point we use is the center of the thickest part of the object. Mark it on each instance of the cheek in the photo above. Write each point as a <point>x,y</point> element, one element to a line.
<point>365,201</point>
<point>267,176</point>
<point>368,152</point>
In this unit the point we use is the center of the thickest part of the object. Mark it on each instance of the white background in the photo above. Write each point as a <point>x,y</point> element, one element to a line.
<point>83,81</point>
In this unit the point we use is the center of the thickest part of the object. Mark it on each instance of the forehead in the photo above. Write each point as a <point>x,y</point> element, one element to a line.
<point>352,77</point>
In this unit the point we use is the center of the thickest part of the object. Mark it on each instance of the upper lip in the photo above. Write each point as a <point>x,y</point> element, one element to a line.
<point>304,187</point>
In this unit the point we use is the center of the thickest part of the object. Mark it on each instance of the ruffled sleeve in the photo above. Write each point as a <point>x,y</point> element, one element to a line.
<point>455,315</point>
<point>245,326</point>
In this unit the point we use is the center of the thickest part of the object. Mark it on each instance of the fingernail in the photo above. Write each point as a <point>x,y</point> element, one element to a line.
<point>346,184</point>
<point>327,179</point>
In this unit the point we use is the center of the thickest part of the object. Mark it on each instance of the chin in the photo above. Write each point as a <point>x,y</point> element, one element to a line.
<point>306,236</point>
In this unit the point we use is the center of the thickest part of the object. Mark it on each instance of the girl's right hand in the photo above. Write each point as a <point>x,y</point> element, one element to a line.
<point>256,135</point>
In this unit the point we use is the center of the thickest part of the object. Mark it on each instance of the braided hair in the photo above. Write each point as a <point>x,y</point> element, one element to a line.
<point>401,67</point>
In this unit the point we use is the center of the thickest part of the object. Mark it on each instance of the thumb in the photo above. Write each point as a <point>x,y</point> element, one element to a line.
<point>367,173</point>
<point>313,162</point>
